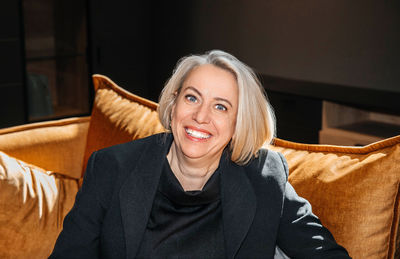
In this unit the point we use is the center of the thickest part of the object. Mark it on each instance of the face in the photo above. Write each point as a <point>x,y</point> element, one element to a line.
<point>204,114</point>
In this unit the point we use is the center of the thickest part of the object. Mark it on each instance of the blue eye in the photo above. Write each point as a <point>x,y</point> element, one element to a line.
<point>220,107</point>
<point>191,98</point>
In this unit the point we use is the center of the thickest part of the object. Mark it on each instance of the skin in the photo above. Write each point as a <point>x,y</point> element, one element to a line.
<point>203,122</point>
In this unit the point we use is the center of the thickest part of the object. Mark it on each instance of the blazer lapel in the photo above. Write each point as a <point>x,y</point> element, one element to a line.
<point>238,205</point>
<point>138,192</point>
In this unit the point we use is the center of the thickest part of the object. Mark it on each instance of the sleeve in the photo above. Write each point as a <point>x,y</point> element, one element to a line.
<point>301,234</point>
<point>81,228</point>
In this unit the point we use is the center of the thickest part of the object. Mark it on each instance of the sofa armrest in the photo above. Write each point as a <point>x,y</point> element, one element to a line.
<point>56,145</point>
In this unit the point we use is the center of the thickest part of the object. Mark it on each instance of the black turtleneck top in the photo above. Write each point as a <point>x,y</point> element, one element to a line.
<point>184,224</point>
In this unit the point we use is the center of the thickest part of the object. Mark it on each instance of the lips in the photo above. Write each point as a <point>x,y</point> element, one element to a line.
<point>197,134</point>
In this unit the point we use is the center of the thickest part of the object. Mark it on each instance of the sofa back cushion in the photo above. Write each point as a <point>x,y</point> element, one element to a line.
<point>118,116</point>
<point>353,190</point>
<point>48,144</point>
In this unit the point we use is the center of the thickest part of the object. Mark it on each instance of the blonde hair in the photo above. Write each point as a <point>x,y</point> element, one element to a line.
<point>255,122</point>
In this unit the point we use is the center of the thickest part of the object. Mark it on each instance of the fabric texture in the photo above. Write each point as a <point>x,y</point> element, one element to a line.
<point>353,190</point>
<point>54,145</point>
<point>118,116</point>
<point>33,203</point>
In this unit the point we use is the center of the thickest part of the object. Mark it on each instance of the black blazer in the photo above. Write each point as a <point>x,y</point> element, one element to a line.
<point>260,209</point>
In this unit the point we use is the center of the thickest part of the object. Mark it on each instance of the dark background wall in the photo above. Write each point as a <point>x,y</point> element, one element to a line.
<point>137,43</point>
<point>120,33</point>
<point>353,43</point>
<point>12,100</point>
<point>341,42</point>
<point>305,51</point>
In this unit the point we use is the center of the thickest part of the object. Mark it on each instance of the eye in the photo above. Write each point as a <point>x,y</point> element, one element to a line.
<point>191,98</point>
<point>220,107</point>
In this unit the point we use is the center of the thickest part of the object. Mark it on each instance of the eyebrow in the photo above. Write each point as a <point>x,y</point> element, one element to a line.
<point>216,98</point>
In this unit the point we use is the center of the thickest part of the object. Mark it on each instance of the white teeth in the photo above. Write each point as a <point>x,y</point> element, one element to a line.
<point>197,134</point>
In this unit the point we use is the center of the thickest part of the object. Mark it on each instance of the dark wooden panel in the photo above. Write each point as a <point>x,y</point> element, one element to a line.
<point>364,98</point>
<point>137,43</point>
<point>9,19</point>
<point>298,118</point>
<point>10,63</point>
<point>12,106</point>
<point>120,42</point>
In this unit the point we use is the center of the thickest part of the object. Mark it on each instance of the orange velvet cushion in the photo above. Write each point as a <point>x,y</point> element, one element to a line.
<point>353,190</point>
<point>49,144</point>
<point>33,203</point>
<point>118,116</point>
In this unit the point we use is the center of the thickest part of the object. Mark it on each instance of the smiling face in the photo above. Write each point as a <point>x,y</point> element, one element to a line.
<point>204,114</point>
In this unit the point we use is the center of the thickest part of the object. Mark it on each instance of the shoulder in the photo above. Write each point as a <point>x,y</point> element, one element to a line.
<point>135,145</point>
<point>120,159</point>
<point>275,162</point>
<point>269,166</point>
<point>126,153</point>
<point>108,168</point>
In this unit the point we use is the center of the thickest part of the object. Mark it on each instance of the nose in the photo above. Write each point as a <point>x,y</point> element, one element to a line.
<point>201,115</point>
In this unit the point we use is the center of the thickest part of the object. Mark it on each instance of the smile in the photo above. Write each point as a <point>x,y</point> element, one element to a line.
<point>197,134</point>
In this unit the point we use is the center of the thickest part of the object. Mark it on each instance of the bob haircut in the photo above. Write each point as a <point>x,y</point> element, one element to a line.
<point>255,122</point>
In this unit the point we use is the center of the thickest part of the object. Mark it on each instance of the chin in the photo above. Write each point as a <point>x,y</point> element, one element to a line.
<point>194,153</point>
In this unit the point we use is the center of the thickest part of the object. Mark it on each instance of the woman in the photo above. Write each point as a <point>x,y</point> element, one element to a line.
<point>204,190</point>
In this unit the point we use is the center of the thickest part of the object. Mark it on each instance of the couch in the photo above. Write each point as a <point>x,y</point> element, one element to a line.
<point>353,190</point>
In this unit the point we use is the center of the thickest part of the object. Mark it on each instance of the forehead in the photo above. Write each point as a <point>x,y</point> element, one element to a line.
<point>212,79</point>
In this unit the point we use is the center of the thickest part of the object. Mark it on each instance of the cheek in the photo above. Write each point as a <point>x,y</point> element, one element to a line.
<point>227,126</point>
<point>232,126</point>
<point>174,112</point>
<point>178,114</point>
<point>181,111</point>
<point>172,118</point>
<point>232,121</point>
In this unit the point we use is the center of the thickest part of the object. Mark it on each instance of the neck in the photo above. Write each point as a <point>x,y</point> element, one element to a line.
<point>192,174</point>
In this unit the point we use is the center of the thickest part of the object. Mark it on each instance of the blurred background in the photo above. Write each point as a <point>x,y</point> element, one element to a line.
<point>331,68</point>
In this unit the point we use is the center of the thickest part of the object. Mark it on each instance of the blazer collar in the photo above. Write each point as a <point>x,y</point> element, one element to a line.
<point>137,194</point>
